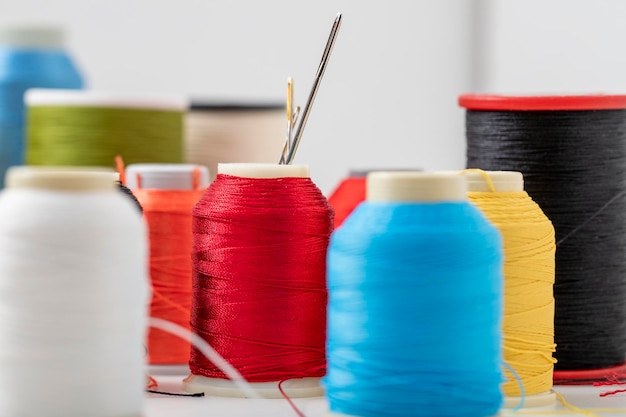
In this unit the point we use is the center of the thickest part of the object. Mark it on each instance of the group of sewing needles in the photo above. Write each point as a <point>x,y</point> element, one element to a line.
<point>294,134</point>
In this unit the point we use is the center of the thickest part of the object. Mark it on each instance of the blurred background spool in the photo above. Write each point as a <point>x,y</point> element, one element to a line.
<point>572,153</point>
<point>230,132</point>
<point>168,193</point>
<point>91,128</point>
<point>405,272</point>
<point>260,235</point>
<point>350,192</point>
<point>528,323</point>
<point>73,295</point>
<point>30,57</point>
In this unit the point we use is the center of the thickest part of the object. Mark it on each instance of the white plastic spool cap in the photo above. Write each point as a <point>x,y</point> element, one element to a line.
<point>294,388</point>
<point>503,181</point>
<point>255,170</point>
<point>32,36</point>
<point>61,178</point>
<point>166,176</point>
<point>104,99</point>
<point>412,186</point>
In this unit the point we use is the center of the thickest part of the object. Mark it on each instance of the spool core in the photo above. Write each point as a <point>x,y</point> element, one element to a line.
<point>259,170</point>
<point>62,178</point>
<point>103,99</point>
<point>166,176</point>
<point>411,186</point>
<point>502,181</point>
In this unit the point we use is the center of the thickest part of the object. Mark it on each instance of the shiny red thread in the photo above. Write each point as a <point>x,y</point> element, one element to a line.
<point>344,199</point>
<point>259,282</point>
<point>168,214</point>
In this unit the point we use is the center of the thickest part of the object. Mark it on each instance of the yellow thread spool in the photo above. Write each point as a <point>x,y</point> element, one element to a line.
<point>529,249</point>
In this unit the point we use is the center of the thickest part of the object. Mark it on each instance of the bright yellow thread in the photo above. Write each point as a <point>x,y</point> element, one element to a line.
<point>528,324</point>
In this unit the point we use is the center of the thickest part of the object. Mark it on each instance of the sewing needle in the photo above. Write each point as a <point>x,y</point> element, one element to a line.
<point>318,78</point>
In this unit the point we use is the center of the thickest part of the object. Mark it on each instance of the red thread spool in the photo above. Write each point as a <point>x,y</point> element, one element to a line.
<point>350,193</point>
<point>168,192</point>
<point>260,235</point>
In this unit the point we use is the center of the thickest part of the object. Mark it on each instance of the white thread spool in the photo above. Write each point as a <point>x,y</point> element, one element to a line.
<point>166,176</point>
<point>294,388</point>
<point>73,295</point>
<point>234,133</point>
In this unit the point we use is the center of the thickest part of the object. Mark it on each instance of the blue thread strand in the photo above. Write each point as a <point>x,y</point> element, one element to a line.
<point>21,69</point>
<point>414,316</point>
<point>520,383</point>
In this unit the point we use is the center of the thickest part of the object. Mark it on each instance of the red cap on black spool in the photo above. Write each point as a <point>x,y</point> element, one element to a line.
<point>539,103</point>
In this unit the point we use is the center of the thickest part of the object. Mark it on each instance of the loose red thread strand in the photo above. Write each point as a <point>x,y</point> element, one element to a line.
<point>349,193</point>
<point>289,400</point>
<point>259,259</point>
<point>168,214</point>
<point>615,379</point>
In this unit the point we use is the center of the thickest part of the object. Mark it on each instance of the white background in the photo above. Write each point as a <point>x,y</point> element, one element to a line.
<point>389,95</point>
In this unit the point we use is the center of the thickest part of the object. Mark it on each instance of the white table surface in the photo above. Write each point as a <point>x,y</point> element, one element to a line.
<point>585,397</point>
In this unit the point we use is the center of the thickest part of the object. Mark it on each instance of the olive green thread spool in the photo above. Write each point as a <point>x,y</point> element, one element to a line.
<point>90,128</point>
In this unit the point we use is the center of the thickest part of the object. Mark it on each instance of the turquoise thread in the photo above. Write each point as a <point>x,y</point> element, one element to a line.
<point>522,390</point>
<point>414,316</point>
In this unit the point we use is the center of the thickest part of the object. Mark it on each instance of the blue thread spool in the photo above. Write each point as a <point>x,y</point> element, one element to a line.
<point>415,302</point>
<point>29,57</point>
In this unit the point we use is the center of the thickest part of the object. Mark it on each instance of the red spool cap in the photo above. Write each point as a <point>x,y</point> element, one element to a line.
<point>532,103</point>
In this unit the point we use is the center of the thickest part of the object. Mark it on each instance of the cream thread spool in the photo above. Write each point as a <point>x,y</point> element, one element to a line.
<point>73,295</point>
<point>294,388</point>
<point>230,133</point>
<point>508,182</point>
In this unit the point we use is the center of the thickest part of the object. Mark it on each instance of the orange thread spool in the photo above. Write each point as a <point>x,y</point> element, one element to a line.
<point>168,192</point>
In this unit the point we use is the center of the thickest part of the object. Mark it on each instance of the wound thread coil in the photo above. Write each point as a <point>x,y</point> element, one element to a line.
<point>168,193</point>
<point>74,289</point>
<point>233,133</point>
<point>91,128</point>
<point>260,234</point>
<point>405,272</point>
<point>529,258</point>
<point>572,152</point>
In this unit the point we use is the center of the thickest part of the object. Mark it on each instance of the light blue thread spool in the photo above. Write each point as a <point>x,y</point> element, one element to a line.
<point>29,57</point>
<point>415,303</point>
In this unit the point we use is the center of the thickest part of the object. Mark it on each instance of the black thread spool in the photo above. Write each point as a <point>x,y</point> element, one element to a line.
<point>572,152</point>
